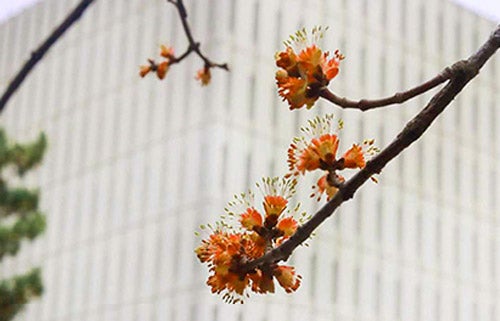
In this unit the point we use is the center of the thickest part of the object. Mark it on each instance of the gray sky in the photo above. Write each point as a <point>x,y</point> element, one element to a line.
<point>487,8</point>
<point>9,8</point>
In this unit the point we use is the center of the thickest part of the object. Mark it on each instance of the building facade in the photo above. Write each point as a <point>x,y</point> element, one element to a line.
<point>134,165</point>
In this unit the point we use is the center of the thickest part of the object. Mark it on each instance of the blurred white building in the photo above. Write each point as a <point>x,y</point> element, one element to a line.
<point>135,165</point>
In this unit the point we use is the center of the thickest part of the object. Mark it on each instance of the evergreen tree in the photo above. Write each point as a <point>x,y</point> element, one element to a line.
<point>20,219</point>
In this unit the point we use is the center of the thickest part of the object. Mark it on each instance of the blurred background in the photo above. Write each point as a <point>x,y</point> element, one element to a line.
<point>134,166</point>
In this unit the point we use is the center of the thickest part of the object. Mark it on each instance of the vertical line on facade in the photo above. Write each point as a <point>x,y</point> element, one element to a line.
<point>335,280</point>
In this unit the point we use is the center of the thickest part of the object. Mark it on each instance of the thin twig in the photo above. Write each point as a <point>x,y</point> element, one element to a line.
<point>461,73</point>
<point>39,53</point>
<point>397,98</point>
<point>193,45</point>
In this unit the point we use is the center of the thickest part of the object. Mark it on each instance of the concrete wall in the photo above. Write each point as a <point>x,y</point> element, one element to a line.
<point>135,165</point>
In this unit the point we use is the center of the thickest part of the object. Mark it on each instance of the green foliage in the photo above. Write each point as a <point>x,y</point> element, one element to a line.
<point>20,220</point>
<point>23,156</point>
<point>28,226</point>
<point>17,200</point>
<point>16,292</point>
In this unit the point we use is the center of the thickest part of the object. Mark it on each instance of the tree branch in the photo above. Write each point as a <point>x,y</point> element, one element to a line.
<point>397,98</point>
<point>460,74</point>
<point>193,45</point>
<point>40,52</point>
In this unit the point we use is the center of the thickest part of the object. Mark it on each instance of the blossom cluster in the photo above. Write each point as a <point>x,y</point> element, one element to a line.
<point>161,69</point>
<point>227,249</point>
<point>305,69</point>
<point>317,150</point>
<point>168,58</point>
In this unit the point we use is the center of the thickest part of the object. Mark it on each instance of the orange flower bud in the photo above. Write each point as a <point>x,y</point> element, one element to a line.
<point>330,68</point>
<point>354,157</point>
<point>161,70</point>
<point>308,160</point>
<point>310,57</point>
<point>286,278</point>
<point>294,91</point>
<point>203,75</point>
<point>325,187</point>
<point>144,70</point>
<point>250,219</point>
<point>286,59</point>
<point>327,146</point>
<point>288,226</point>
<point>262,283</point>
<point>166,52</point>
<point>274,205</point>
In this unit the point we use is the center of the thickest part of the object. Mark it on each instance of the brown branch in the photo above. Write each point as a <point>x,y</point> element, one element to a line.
<point>397,98</point>
<point>193,45</point>
<point>461,73</point>
<point>40,52</point>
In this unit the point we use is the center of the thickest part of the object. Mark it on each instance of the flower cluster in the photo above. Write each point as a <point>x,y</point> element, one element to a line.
<point>305,69</point>
<point>317,150</point>
<point>161,68</point>
<point>167,53</point>
<point>227,249</point>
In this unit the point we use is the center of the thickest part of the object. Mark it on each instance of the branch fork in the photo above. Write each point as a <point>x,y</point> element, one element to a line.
<point>194,46</point>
